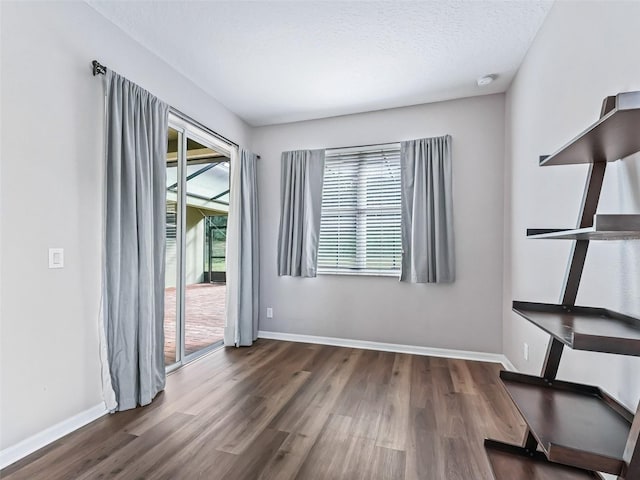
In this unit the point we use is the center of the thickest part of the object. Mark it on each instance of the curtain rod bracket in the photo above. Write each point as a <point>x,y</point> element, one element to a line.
<point>98,69</point>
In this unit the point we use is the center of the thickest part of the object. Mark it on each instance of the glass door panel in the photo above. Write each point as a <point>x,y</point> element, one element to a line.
<point>171,329</point>
<point>207,183</point>
<point>197,209</point>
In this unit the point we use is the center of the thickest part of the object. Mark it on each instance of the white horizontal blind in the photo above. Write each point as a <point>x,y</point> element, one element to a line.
<point>172,221</point>
<point>360,225</point>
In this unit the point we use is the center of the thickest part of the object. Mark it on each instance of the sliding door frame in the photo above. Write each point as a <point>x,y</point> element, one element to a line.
<point>187,129</point>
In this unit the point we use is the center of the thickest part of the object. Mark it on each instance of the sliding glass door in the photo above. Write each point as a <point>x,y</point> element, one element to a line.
<point>198,170</point>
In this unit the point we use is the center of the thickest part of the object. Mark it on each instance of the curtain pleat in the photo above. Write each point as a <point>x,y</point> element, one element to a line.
<point>243,273</point>
<point>134,263</point>
<point>427,211</point>
<point>301,178</point>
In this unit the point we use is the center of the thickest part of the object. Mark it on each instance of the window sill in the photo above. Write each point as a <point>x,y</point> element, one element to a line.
<point>355,273</point>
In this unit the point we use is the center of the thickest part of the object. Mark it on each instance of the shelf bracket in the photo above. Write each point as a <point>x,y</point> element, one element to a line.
<point>530,442</point>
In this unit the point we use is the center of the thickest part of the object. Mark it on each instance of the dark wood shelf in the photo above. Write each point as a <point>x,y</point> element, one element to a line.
<point>585,328</point>
<point>513,463</point>
<point>605,227</point>
<point>574,424</point>
<point>612,137</point>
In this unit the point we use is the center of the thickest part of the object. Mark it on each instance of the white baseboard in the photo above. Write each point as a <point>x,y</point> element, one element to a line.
<point>391,347</point>
<point>29,445</point>
<point>508,365</point>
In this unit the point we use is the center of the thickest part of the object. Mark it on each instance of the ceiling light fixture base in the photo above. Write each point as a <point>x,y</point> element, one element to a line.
<point>486,80</point>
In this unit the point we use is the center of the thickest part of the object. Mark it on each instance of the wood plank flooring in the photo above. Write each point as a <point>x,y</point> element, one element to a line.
<point>281,410</point>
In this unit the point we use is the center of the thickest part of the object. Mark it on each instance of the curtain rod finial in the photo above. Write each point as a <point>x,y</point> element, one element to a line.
<point>98,69</point>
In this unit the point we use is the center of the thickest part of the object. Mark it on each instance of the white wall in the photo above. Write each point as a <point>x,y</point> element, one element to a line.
<point>465,315</point>
<point>583,52</point>
<point>52,120</point>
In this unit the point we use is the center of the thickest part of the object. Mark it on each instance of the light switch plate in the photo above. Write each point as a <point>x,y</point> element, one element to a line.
<point>56,258</point>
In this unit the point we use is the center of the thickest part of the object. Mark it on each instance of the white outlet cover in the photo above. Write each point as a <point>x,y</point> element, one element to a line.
<point>269,312</point>
<point>56,258</point>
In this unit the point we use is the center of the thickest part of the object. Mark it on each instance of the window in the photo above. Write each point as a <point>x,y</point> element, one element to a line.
<point>360,225</point>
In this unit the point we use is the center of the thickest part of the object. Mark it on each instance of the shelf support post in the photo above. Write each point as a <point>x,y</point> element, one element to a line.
<point>549,371</point>
<point>632,450</point>
<point>588,209</point>
<point>552,359</point>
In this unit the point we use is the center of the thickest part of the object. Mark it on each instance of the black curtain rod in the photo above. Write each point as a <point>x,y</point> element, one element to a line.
<point>99,69</point>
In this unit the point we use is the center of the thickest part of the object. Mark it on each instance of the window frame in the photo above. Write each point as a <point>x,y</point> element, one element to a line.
<point>360,211</point>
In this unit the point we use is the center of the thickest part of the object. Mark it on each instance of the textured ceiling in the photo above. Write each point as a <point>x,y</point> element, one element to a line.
<point>273,62</point>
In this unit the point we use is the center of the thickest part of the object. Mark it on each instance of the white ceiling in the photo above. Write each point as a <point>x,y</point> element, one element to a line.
<point>274,62</point>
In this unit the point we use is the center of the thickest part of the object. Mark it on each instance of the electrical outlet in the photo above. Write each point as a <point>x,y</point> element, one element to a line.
<point>269,312</point>
<point>525,351</point>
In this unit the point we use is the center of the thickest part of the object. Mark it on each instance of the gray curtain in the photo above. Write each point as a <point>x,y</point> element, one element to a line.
<point>302,172</point>
<point>427,211</point>
<point>136,146</point>
<point>249,253</point>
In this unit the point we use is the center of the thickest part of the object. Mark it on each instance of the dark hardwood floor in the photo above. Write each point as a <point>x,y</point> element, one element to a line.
<point>283,410</point>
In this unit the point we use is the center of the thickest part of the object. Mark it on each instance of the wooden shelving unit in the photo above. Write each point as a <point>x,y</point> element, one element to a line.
<point>575,430</point>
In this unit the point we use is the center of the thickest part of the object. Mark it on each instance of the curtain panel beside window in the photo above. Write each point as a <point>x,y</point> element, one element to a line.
<point>301,179</point>
<point>427,211</point>
<point>243,253</point>
<point>134,242</point>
